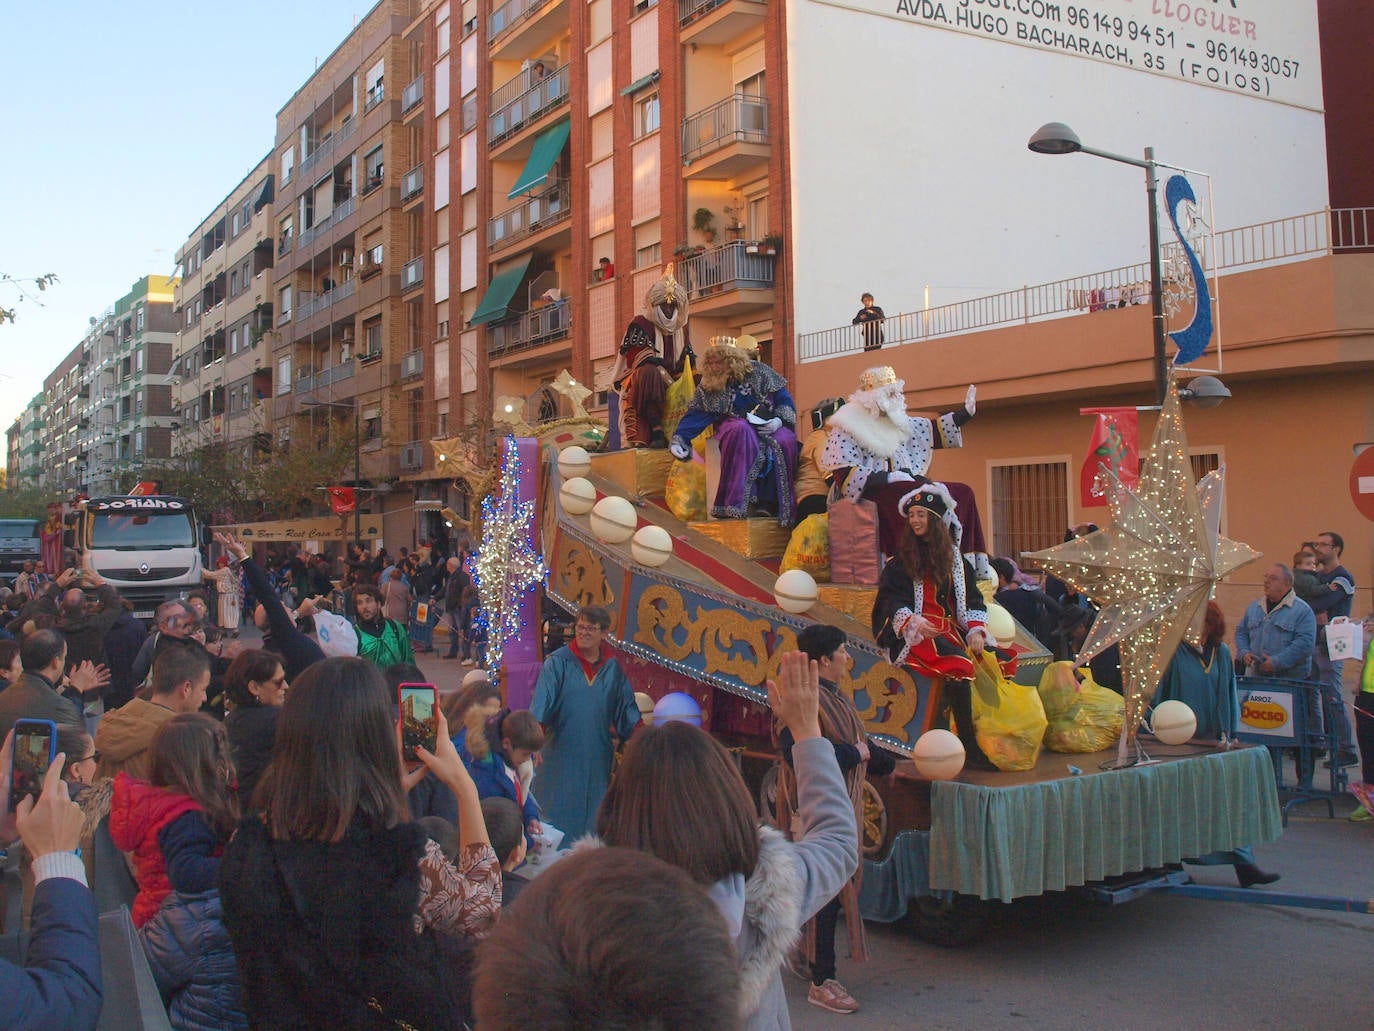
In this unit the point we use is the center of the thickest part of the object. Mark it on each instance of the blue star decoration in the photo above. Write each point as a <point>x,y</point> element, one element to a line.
<point>506,566</point>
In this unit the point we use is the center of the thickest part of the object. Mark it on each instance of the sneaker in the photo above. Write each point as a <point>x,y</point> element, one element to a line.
<point>1360,815</point>
<point>832,996</point>
<point>1346,758</point>
<point>467,662</point>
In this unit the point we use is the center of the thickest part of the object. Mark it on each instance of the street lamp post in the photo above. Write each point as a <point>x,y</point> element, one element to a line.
<point>1058,138</point>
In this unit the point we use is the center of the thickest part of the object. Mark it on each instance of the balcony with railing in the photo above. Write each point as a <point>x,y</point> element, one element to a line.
<point>335,218</point>
<point>726,139</point>
<point>520,27</point>
<point>527,97</point>
<point>714,22</point>
<point>529,330</point>
<point>413,183</point>
<point>412,94</point>
<point>413,273</point>
<point>534,214</point>
<point>1264,245</point>
<point>319,302</point>
<point>326,146</point>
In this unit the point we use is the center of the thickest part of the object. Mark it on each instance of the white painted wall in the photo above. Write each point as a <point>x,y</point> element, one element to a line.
<point>910,168</point>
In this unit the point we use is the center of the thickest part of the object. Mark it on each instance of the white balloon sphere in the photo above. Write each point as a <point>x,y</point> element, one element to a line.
<point>574,461</point>
<point>614,520</point>
<point>795,591</point>
<point>1001,626</point>
<point>651,545</point>
<point>939,755</point>
<point>1173,722</point>
<point>577,495</point>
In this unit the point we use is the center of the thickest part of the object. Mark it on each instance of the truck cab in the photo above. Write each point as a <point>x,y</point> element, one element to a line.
<point>19,543</point>
<point>146,546</point>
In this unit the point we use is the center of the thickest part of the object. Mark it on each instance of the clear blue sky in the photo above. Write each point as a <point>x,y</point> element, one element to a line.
<point>126,123</point>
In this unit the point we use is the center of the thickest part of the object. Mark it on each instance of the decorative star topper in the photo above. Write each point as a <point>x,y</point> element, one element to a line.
<point>574,391</point>
<point>1154,569</point>
<point>506,567</point>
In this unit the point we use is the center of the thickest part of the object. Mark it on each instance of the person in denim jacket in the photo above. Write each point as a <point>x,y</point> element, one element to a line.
<point>1276,635</point>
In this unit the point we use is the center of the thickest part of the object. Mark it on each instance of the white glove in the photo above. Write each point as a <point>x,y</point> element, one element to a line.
<point>899,477</point>
<point>680,451</point>
<point>914,631</point>
<point>970,401</point>
<point>771,426</point>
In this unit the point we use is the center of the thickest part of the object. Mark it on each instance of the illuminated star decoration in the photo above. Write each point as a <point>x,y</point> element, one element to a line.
<point>1152,571</point>
<point>509,412</point>
<point>574,391</point>
<point>506,567</point>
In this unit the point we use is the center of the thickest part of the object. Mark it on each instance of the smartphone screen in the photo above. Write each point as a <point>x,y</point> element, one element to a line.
<point>35,747</point>
<point>419,717</point>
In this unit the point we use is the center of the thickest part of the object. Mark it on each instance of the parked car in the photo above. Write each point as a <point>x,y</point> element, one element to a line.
<point>18,544</point>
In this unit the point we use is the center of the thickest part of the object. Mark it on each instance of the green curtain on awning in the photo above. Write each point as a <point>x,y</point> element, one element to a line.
<point>639,84</point>
<point>543,154</point>
<point>499,293</point>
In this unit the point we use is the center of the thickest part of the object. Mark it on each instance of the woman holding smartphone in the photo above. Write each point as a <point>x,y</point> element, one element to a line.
<point>320,881</point>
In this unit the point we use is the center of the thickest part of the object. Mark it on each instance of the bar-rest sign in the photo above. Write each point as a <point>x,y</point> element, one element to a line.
<point>1267,49</point>
<point>325,529</point>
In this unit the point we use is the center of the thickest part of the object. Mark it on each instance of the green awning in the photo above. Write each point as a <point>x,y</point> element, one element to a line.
<point>499,293</point>
<point>639,84</point>
<point>543,154</point>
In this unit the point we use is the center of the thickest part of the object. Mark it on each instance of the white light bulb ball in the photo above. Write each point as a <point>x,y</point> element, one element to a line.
<point>652,545</point>
<point>614,520</point>
<point>1001,626</point>
<point>939,755</point>
<point>795,591</point>
<point>1173,722</point>
<point>574,461</point>
<point>577,495</point>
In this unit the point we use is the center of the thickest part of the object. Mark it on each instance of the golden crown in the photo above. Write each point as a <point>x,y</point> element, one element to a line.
<point>880,376</point>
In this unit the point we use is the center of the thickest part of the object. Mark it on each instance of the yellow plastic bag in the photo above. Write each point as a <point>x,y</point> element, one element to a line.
<point>808,548</point>
<point>1008,718</point>
<point>685,491</point>
<point>678,398</point>
<point>1084,717</point>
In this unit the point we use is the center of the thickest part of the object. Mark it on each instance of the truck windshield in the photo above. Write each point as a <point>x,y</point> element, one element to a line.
<point>124,531</point>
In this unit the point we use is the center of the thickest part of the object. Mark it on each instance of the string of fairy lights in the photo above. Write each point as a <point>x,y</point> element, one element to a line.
<point>506,566</point>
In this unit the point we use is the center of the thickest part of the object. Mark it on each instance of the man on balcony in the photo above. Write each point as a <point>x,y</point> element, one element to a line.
<point>870,318</point>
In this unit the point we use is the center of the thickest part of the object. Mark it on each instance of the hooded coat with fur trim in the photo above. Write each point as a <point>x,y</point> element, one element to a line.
<point>790,883</point>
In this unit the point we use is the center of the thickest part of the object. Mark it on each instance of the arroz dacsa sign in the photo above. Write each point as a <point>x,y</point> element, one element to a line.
<point>1267,713</point>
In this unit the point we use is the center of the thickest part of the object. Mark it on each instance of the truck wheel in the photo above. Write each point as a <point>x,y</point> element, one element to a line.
<point>948,921</point>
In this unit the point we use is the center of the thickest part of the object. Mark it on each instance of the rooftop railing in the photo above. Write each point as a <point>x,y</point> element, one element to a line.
<point>1278,242</point>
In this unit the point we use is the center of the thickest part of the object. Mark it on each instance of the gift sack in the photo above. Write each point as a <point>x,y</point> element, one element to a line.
<point>679,396</point>
<point>1084,717</point>
<point>854,542</point>
<point>1008,718</point>
<point>1343,639</point>
<point>685,491</point>
<point>808,548</point>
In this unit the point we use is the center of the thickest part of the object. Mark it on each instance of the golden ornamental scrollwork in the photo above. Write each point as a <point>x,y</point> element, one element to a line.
<point>583,577</point>
<point>892,699</point>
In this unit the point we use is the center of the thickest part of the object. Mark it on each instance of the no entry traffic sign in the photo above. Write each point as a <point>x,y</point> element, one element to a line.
<point>1362,482</point>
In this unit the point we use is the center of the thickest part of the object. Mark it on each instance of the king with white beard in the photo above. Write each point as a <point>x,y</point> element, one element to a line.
<point>877,452</point>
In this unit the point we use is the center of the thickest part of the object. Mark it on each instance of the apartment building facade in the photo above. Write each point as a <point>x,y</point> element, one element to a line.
<point>25,452</point>
<point>349,267</point>
<point>222,374</point>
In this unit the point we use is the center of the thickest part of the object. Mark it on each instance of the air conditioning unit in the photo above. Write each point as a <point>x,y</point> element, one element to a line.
<point>345,258</point>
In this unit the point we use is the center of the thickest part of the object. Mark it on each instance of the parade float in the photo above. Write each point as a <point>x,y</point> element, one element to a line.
<point>699,608</point>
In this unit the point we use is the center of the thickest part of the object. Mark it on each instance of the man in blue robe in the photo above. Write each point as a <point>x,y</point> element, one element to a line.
<point>582,698</point>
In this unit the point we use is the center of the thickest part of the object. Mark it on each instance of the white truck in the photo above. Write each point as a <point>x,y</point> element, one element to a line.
<point>146,546</point>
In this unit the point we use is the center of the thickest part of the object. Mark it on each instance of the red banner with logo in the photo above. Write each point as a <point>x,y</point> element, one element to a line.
<point>342,499</point>
<point>1115,445</point>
